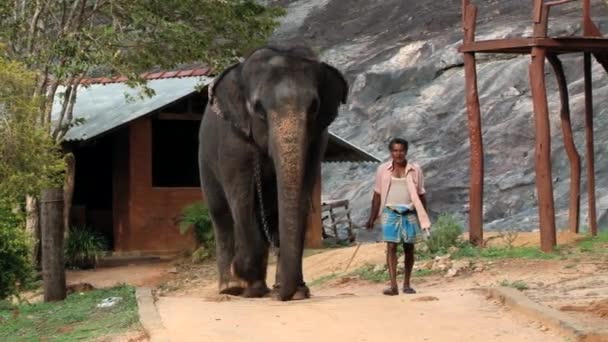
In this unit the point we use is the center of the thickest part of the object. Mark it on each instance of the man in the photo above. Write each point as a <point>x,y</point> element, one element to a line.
<point>399,198</point>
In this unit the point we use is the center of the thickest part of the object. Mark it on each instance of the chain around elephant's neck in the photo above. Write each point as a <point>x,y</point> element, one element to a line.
<point>257,172</point>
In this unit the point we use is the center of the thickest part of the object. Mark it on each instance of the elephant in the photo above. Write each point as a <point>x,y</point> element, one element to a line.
<point>261,142</point>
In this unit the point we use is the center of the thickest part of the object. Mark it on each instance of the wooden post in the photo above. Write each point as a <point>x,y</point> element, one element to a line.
<point>53,268</point>
<point>590,154</point>
<point>314,229</point>
<point>544,181</point>
<point>475,137</point>
<point>573,156</point>
<point>351,235</point>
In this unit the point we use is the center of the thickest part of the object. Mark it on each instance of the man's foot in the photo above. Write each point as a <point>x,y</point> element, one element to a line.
<point>408,290</point>
<point>390,291</point>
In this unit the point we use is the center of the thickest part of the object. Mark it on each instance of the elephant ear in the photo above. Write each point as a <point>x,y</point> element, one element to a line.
<point>333,90</point>
<point>227,98</point>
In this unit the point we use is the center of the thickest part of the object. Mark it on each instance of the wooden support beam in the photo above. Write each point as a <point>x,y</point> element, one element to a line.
<point>590,154</point>
<point>587,28</point>
<point>475,137</point>
<point>314,229</point>
<point>544,181</point>
<point>573,156</point>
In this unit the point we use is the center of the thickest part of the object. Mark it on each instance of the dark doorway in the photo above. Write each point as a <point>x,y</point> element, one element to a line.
<point>92,203</point>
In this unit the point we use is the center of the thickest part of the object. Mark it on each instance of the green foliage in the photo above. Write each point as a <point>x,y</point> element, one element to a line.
<point>68,40</point>
<point>445,234</point>
<point>518,284</point>
<point>197,215</point>
<point>29,159</point>
<point>15,262</point>
<point>75,319</point>
<point>83,247</point>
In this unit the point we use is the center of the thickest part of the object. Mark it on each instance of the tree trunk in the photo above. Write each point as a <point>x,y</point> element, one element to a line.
<point>32,227</point>
<point>53,270</point>
<point>68,191</point>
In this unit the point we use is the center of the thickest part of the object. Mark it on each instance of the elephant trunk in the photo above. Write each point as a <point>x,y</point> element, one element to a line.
<point>289,149</point>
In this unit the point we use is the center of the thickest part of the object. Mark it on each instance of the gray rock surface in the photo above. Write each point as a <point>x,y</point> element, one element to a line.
<point>401,60</point>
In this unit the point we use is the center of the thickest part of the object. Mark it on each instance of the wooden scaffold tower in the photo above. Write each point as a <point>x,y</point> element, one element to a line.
<point>540,46</point>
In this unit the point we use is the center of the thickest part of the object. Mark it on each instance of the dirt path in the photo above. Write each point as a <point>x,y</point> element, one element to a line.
<point>364,316</point>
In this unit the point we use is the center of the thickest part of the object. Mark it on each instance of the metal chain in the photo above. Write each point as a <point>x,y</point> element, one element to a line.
<point>257,172</point>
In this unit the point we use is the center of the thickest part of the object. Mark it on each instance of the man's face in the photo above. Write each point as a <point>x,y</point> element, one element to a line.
<point>398,153</point>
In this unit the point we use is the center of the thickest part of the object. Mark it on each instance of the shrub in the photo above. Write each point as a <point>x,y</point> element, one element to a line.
<point>16,268</point>
<point>444,234</point>
<point>83,247</point>
<point>197,215</point>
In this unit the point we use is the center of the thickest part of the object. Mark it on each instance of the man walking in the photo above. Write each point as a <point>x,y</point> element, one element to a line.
<point>399,198</point>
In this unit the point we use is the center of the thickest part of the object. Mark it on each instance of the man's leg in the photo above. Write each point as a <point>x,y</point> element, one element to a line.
<point>408,249</point>
<point>391,262</point>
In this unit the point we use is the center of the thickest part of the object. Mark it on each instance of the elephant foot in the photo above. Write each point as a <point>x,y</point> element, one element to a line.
<point>302,292</point>
<point>256,290</point>
<point>232,288</point>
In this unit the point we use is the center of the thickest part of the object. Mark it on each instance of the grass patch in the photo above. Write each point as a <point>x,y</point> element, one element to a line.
<point>597,244</point>
<point>518,284</point>
<point>369,273</point>
<point>424,273</point>
<point>324,279</point>
<point>466,250</point>
<point>76,319</point>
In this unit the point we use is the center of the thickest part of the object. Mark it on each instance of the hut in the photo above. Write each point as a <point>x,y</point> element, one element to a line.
<point>136,161</point>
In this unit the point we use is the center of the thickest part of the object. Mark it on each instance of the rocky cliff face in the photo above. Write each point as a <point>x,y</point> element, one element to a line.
<point>401,60</point>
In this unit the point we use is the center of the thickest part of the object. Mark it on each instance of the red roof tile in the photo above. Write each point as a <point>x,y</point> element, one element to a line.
<point>151,76</point>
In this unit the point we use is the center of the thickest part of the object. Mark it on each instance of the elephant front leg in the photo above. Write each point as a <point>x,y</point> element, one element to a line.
<point>302,291</point>
<point>251,249</point>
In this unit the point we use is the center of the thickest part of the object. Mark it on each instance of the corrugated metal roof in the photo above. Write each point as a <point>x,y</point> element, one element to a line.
<point>103,105</point>
<point>340,150</point>
<point>106,106</point>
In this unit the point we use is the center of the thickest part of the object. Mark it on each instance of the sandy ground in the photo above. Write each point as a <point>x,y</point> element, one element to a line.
<point>454,316</point>
<point>348,309</point>
<point>145,275</point>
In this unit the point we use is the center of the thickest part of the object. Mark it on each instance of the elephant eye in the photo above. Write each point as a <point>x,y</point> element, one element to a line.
<point>314,107</point>
<point>259,110</point>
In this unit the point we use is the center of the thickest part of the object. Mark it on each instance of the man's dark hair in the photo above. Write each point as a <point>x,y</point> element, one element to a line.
<point>397,141</point>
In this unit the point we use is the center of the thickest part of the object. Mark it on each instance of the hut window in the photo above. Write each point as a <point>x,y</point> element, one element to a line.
<point>175,153</point>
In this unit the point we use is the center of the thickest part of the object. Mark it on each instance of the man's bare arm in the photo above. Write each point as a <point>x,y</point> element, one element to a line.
<point>423,200</point>
<point>373,214</point>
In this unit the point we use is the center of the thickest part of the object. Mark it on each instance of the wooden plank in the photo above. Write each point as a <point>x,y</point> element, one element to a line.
<point>525,45</point>
<point>544,181</point>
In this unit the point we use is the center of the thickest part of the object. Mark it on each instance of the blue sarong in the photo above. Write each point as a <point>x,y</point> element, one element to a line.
<point>400,224</point>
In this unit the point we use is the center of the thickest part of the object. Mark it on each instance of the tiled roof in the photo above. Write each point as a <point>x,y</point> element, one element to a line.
<point>152,76</point>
